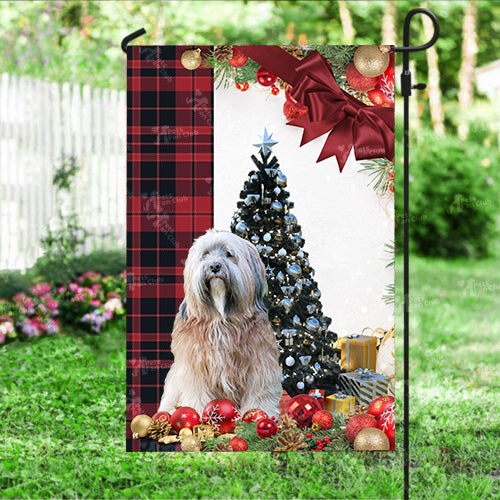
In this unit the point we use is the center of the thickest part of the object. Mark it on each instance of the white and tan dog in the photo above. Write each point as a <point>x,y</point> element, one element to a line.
<point>223,344</point>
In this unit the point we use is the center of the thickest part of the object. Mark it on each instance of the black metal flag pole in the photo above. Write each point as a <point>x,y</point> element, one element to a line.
<point>406,88</point>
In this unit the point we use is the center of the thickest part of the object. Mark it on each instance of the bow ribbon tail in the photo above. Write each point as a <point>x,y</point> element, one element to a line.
<point>339,143</point>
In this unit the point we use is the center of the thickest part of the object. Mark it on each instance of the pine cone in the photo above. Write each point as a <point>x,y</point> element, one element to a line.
<point>357,410</point>
<point>293,51</point>
<point>291,440</point>
<point>158,429</point>
<point>223,53</point>
<point>222,446</point>
<point>285,422</point>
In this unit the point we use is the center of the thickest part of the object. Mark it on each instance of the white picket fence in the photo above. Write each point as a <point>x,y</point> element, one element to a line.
<point>40,121</point>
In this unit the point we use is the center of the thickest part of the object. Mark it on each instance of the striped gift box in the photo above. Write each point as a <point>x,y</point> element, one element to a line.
<point>365,384</point>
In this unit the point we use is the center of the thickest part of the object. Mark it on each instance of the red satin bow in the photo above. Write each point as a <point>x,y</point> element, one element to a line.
<point>370,129</point>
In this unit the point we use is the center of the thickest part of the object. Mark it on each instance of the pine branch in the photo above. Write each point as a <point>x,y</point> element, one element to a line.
<point>390,249</point>
<point>389,297</point>
<point>378,170</point>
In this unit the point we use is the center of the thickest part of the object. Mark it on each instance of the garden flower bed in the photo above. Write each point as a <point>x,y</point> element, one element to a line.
<point>91,303</point>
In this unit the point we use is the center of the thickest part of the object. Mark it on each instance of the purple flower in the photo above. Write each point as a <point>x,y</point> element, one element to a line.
<point>30,328</point>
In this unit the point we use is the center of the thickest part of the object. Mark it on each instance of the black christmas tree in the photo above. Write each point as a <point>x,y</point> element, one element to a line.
<point>302,330</point>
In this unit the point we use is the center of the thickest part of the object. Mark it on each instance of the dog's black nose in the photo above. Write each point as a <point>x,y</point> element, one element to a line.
<point>215,267</point>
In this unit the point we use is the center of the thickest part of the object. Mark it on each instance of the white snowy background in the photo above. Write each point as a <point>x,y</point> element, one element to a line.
<point>343,223</point>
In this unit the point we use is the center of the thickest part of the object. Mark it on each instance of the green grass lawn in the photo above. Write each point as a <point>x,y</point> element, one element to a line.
<point>63,413</point>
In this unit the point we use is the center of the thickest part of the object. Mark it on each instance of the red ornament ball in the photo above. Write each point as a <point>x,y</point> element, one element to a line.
<point>358,423</point>
<point>324,418</point>
<point>183,417</point>
<point>292,108</point>
<point>254,415</point>
<point>162,416</point>
<point>309,435</point>
<point>380,98</point>
<point>238,444</point>
<point>275,90</point>
<point>222,414</point>
<point>387,424</point>
<point>358,81</point>
<point>265,78</point>
<point>266,427</point>
<point>302,408</point>
<point>379,405</point>
<point>239,59</point>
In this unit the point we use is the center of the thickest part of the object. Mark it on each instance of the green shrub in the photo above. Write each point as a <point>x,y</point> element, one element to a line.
<point>108,262</point>
<point>453,197</point>
<point>12,282</point>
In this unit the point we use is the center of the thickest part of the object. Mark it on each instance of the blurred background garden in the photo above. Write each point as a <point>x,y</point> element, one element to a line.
<point>62,252</point>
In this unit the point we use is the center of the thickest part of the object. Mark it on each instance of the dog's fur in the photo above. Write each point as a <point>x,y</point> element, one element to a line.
<point>223,344</point>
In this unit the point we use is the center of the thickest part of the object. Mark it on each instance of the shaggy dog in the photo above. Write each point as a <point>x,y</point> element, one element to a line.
<point>223,344</point>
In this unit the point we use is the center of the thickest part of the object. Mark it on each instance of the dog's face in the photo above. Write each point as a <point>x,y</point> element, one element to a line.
<point>223,275</point>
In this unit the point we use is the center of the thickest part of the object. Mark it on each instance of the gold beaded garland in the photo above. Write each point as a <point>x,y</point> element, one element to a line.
<point>370,61</point>
<point>191,59</point>
<point>371,439</point>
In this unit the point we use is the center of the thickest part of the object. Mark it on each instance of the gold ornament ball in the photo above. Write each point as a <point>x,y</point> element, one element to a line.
<point>192,443</point>
<point>191,59</point>
<point>369,61</point>
<point>371,439</point>
<point>185,432</point>
<point>139,426</point>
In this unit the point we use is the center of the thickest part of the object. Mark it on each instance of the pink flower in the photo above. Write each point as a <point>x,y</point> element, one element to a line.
<point>19,297</point>
<point>61,289</point>
<point>95,302</point>
<point>42,308</point>
<point>52,304</point>
<point>73,287</point>
<point>40,289</point>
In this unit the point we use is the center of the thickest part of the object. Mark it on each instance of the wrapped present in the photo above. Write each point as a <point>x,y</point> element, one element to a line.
<point>365,384</point>
<point>358,351</point>
<point>339,403</point>
<point>319,394</point>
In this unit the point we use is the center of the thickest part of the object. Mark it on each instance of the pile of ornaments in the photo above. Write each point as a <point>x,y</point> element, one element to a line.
<point>372,71</point>
<point>375,429</point>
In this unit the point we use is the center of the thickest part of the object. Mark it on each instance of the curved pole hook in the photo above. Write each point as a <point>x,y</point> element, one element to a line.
<point>132,36</point>
<point>406,31</point>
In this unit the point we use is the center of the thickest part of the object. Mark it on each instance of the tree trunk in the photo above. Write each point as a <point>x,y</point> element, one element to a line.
<point>466,75</point>
<point>346,20</point>
<point>389,34</point>
<point>436,106</point>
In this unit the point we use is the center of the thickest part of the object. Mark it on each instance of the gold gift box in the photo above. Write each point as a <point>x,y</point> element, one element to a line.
<point>358,351</point>
<point>342,404</point>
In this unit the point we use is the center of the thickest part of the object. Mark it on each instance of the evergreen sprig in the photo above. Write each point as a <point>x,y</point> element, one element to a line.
<point>338,441</point>
<point>389,296</point>
<point>378,170</point>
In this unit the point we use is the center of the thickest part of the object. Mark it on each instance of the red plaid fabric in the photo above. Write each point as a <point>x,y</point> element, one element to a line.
<point>169,204</point>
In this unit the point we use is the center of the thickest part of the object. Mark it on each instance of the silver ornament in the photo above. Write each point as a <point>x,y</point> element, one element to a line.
<point>281,179</point>
<point>296,320</point>
<point>305,360</point>
<point>281,277</point>
<point>254,177</point>
<point>241,227</point>
<point>276,205</point>
<point>282,252</point>
<point>289,361</point>
<point>294,270</point>
<point>289,333</point>
<point>311,308</point>
<point>276,191</point>
<point>300,254</point>
<point>254,239</point>
<point>298,286</point>
<point>316,294</point>
<point>300,385</point>
<point>309,379</point>
<point>251,199</point>
<point>312,324</point>
<point>257,218</point>
<point>287,290</point>
<point>267,237</point>
<point>287,304</point>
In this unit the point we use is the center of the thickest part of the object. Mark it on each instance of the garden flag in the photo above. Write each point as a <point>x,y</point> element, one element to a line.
<point>260,241</point>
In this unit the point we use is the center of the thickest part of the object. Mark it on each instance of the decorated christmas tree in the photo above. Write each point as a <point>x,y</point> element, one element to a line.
<point>264,217</point>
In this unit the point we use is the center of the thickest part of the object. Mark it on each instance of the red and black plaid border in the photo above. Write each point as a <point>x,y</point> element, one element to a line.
<point>169,204</point>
